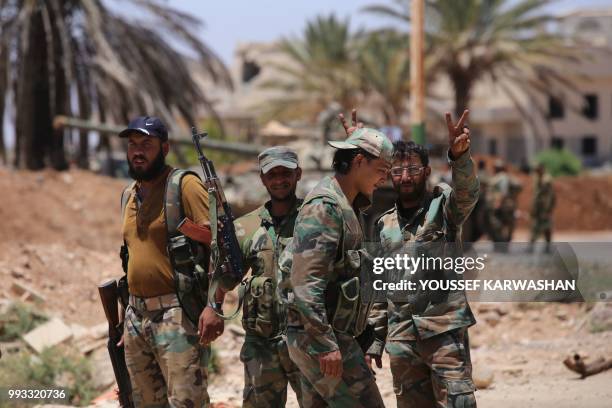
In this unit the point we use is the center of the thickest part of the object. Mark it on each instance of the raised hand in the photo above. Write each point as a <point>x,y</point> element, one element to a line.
<point>355,125</point>
<point>458,135</point>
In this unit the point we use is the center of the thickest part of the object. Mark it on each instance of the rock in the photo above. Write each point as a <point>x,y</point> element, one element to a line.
<point>483,377</point>
<point>492,318</point>
<point>26,292</point>
<point>500,308</point>
<point>103,369</point>
<point>17,273</point>
<point>48,334</point>
<point>600,318</point>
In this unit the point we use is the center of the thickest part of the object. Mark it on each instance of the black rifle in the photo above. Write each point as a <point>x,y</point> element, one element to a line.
<point>110,296</point>
<point>230,270</point>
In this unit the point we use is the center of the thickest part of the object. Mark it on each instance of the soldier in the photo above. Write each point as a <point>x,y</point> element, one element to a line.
<point>262,234</point>
<point>166,345</point>
<point>325,312</point>
<point>502,204</point>
<point>426,333</point>
<point>542,207</point>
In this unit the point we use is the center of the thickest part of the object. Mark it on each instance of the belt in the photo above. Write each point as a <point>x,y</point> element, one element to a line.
<point>155,302</point>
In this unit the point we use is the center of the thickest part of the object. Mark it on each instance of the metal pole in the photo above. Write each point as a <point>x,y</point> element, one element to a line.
<point>417,81</point>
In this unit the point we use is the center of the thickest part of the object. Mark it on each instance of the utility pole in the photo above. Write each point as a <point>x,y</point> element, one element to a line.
<point>417,78</point>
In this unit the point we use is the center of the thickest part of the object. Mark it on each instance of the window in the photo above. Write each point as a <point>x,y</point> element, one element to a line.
<point>589,145</point>
<point>493,147</point>
<point>590,109</point>
<point>555,108</point>
<point>557,142</point>
<point>250,69</point>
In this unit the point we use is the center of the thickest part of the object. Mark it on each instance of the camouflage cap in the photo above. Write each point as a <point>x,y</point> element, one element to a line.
<point>370,140</point>
<point>277,156</point>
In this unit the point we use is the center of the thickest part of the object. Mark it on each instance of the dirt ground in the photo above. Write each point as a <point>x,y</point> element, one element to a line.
<point>61,238</point>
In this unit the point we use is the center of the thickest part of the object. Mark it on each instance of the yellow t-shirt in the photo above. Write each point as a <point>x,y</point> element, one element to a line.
<point>144,230</point>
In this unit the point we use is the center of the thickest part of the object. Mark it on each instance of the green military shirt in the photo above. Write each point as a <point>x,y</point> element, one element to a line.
<point>543,198</point>
<point>262,240</point>
<point>399,320</point>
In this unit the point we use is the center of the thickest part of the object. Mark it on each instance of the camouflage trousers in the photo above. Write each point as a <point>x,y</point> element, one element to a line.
<point>541,226</point>
<point>357,387</point>
<point>267,370</point>
<point>433,373</point>
<point>167,365</point>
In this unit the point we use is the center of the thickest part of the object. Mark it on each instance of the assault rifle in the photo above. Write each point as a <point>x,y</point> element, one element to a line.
<point>226,253</point>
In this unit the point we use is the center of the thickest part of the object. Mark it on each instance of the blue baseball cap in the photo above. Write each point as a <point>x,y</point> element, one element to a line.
<point>147,125</point>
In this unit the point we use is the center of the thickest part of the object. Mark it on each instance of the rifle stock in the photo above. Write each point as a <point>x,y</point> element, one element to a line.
<point>110,297</point>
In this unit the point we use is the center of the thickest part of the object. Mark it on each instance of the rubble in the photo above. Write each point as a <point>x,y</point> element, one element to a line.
<point>48,334</point>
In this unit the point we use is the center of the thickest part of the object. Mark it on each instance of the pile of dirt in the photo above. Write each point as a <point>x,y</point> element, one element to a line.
<point>583,202</point>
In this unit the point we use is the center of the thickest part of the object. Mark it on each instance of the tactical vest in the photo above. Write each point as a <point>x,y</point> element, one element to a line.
<point>188,258</point>
<point>345,306</point>
<point>263,315</point>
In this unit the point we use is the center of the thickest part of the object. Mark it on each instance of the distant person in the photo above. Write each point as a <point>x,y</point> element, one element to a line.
<point>166,357</point>
<point>542,207</point>
<point>263,234</point>
<point>502,203</point>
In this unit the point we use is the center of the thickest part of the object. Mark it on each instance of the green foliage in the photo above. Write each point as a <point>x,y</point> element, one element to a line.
<point>559,162</point>
<point>191,156</point>
<point>56,367</point>
<point>18,319</point>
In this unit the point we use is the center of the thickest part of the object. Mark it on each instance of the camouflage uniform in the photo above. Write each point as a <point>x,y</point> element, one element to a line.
<point>325,259</point>
<point>426,332</point>
<point>503,202</point>
<point>542,207</point>
<point>167,365</point>
<point>267,366</point>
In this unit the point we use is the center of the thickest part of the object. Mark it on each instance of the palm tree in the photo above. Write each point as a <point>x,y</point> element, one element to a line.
<point>504,40</point>
<point>55,51</point>
<point>319,70</point>
<point>384,69</point>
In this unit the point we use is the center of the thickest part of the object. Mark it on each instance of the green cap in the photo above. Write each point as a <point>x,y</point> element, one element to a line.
<point>277,156</point>
<point>370,140</point>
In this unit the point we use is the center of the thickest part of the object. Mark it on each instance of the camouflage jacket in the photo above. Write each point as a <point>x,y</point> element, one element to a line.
<point>409,320</point>
<point>326,241</point>
<point>261,242</point>
<point>543,197</point>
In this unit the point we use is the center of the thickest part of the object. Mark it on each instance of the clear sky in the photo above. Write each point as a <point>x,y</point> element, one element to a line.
<point>228,22</point>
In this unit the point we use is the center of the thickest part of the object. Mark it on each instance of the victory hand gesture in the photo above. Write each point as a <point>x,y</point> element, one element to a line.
<point>458,135</point>
<point>355,125</point>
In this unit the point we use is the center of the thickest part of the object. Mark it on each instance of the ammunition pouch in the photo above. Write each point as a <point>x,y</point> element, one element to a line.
<point>351,313</point>
<point>261,310</point>
<point>190,275</point>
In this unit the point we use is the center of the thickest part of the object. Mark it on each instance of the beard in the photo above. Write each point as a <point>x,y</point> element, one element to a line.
<point>155,168</point>
<point>290,195</point>
<point>415,194</point>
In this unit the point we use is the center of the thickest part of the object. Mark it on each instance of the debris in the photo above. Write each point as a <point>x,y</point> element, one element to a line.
<point>600,318</point>
<point>578,364</point>
<point>482,377</point>
<point>26,292</point>
<point>48,334</point>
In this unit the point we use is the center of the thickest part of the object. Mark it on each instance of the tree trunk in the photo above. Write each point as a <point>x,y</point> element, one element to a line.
<point>463,93</point>
<point>34,127</point>
<point>33,99</point>
<point>3,89</point>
